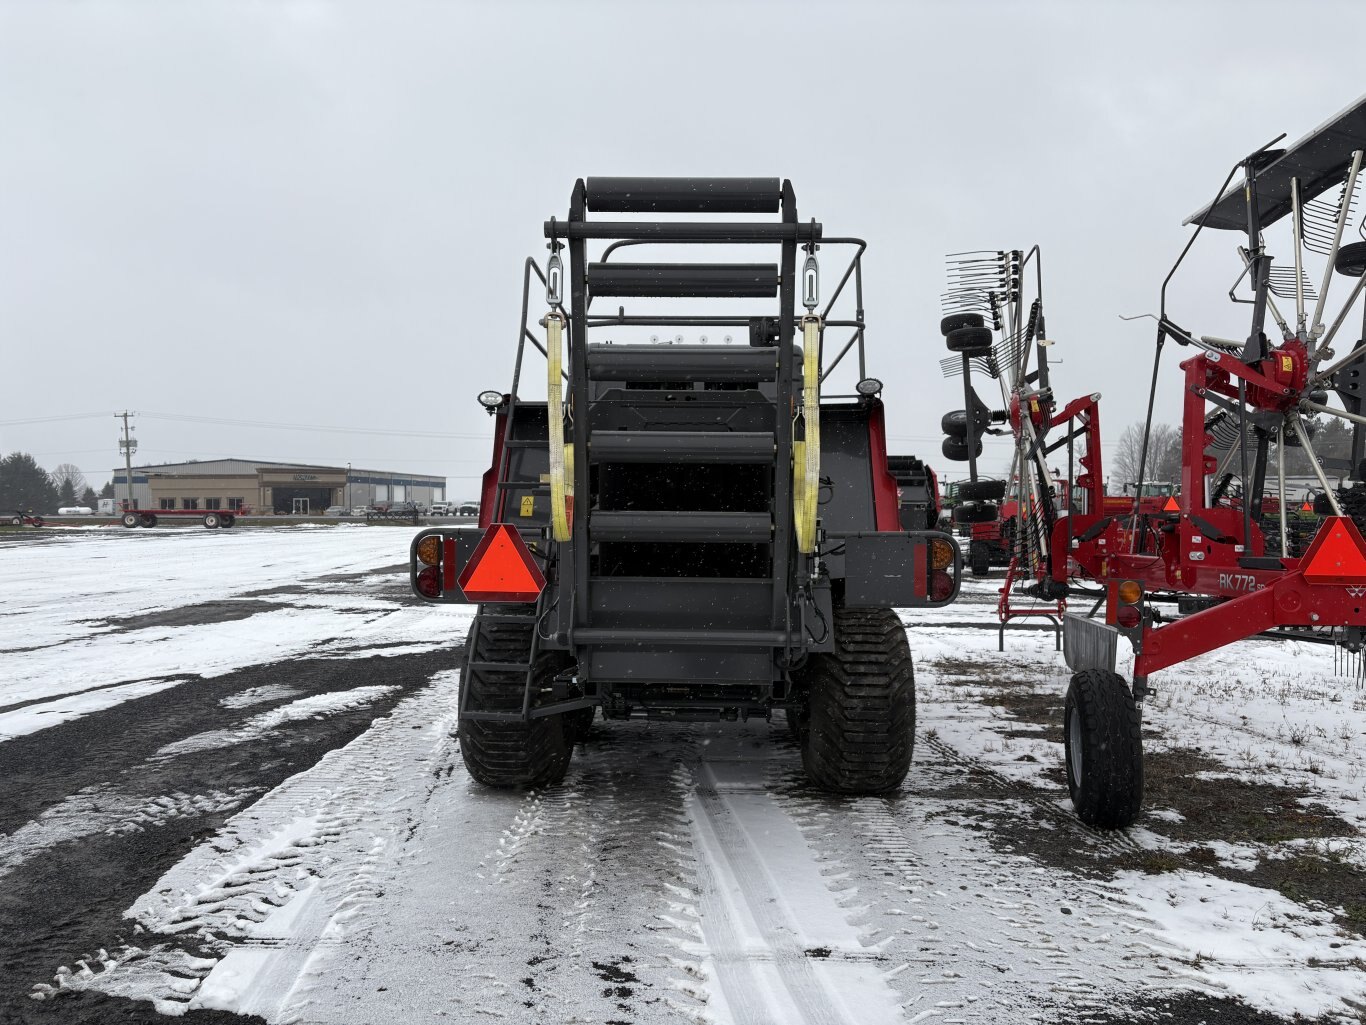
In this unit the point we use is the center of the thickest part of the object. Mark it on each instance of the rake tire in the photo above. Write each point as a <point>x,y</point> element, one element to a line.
<point>1103,749</point>
<point>980,557</point>
<point>858,730</point>
<point>512,754</point>
<point>969,341</point>
<point>955,321</point>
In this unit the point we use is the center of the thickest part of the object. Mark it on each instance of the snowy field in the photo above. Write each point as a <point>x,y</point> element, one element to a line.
<point>229,791</point>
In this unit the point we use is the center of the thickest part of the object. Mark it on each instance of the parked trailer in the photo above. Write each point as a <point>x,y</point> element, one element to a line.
<point>211,518</point>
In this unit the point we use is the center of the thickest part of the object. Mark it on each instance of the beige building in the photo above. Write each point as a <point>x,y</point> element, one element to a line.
<point>266,487</point>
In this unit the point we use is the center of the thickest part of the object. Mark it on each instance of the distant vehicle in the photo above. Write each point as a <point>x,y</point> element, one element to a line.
<point>75,510</point>
<point>441,509</point>
<point>468,509</point>
<point>360,510</point>
<point>335,510</point>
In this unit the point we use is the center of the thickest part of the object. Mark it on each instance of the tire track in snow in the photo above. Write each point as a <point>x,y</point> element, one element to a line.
<point>284,877</point>
<point>977,934</point>
<point>778,938</point>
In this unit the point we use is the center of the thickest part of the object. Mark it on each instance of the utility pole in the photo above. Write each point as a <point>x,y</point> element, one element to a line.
<point>127,445</point>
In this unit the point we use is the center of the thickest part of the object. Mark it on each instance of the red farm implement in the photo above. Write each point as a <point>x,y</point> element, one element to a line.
<point>211,518</point>
<point>1229,563</point>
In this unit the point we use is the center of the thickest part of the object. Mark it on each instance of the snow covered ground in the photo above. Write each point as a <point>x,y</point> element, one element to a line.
<point>299,839</point>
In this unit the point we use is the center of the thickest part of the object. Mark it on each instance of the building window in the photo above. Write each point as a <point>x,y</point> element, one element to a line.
<point>168,503</point>
<point>213,503</point>
<point>189,503</point>
<point>234,504</point>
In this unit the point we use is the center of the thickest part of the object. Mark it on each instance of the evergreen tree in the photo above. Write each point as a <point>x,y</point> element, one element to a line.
<point>24,485</point>
<point>108,490</point>
<point>66,493</point>
<point>88,498</point>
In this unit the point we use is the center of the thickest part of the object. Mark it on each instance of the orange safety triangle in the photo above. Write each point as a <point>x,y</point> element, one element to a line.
<point>1307,507</point>
<point>1171,505</point>
<point>1337,554</point>
<point>501,568</point>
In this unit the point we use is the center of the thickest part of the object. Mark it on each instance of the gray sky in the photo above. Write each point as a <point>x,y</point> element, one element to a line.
<point>312,213</point>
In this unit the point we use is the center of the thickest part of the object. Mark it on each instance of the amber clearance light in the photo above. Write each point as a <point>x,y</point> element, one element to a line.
<point>429,550</point>
<point>941,554</point>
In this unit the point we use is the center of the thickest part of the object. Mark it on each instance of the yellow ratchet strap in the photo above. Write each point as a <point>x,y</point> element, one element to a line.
<point>806,452</point>
<point>561,460</point>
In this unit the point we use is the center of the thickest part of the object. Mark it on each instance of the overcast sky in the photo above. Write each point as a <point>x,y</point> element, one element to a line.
<point>317,213</point>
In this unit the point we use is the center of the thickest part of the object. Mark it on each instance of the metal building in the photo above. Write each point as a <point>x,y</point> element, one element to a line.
<point>265,487</point>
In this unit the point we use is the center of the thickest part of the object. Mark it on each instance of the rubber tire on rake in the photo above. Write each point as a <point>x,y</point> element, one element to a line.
<point>969,341</point>
<point>954,423</point>
<point>956,449</point>
<point>512,754</point>
<point>976,512</point>
<point>1103,749</point>
<point>982,490</point>
<point>858,733</point>
<point>954,321</point>
<point>1351,260</point>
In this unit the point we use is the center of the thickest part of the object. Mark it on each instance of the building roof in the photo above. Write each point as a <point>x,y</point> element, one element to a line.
<point>220,467</point>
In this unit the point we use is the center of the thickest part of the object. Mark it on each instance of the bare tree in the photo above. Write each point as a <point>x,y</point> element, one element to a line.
<point>69,473</point>
<point>1164,456</point>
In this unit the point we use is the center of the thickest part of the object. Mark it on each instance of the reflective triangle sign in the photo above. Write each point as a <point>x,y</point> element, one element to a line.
<point>1171,505</point>
<point>1337,554</point>
<point>501,568</point>
<point>1307,507</point>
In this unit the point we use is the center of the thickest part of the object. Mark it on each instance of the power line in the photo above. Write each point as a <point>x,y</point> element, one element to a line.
<point>326,428</point>
<point>53,419</point>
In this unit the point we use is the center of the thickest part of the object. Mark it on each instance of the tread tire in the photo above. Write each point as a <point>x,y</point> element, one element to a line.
<point>982,490</point>
<point>129,520</point>
<point>212,521</point>
<point>512,754</point>
<point>954,321</point>
<point>956,449</point>
<point>976,512</point>
<point>16,521</point>
<point>969,341</point>
<point>858,733</point>
<point>980,556</point>
<point>1106,751</point>
<point>1351,260</point>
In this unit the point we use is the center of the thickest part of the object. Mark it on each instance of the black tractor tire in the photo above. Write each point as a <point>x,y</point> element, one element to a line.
<point>858,733</point>
<point>956,449</point>
<point>980,557</point>
<point>130,520</point>
<point>956,321</point>
<point>1351,260</point>
<point>512,754</point>
<point>975,512</point>
<point>1103,746</point>
<point>227,521</point>
<point>969,341</point>
<point>579,723</point>
<point>982,490</point>
<point>146,520</point>
<point>211,521</point>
